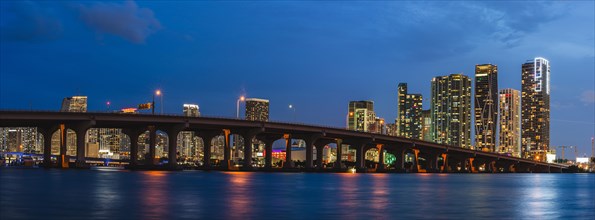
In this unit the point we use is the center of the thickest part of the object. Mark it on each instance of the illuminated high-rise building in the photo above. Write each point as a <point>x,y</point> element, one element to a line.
<point>510,122</point>
<point>535,105</point>
<point>426,128</point>
<point>360,115</point>
<point>451,110</point>
<point>409,117</point>
<point>191,110</point>
<point>74,104</point>
<point>257,109</point>
<point>486,106</point>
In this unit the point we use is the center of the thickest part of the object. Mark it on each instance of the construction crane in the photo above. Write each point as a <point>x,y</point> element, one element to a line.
<point>564,148</point>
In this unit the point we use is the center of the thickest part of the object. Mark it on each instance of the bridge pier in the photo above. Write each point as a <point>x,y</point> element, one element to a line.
<point>207,138</point>
<point>445,168</point>
<point>248,144</point>
<point>172,153</point>
<point>359,157</point>
<point>310,141</point>
<point>226,163</point>
<point>415,167</point>
<point>133,150</point>
<point>338,161</point>
<point>150,160</point>
<point>268,153</point>
<point>47,146</point>
<point>80,147</point>
<point>288,161</point>
<point>381,163</point>
<point>63,159</point>
<point>400,160</point>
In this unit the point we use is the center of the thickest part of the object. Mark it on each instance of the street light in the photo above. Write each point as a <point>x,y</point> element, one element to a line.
<point>292,108</point>
<point>108,103</point>
<point>241,99</point>
<point>157,93</point>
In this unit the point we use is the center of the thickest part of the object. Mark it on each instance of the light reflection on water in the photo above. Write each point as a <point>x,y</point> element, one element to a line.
<point>70,194</point>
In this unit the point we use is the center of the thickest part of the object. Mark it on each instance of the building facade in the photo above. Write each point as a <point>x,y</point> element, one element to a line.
<point>451,110</point>
<point>257,109</point>
<point>427,125</point>
<point>486,106</point>
<point>535,103</point>
<point>409,115</point>
<point>74,104</point>
<point>360,114</point>
<point>510,122</point>
<point>191,110</point>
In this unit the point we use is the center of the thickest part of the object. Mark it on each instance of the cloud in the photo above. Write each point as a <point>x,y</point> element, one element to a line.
<point>28,22</point>
<point>126,20</point>
<point>588,97</point>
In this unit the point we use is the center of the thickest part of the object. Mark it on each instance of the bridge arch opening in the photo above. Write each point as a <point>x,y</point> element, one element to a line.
<point>372,158</point>
<point>70,142</point>
<point>190,149</point>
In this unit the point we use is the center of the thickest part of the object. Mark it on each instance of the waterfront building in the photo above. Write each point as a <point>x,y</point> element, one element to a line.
<point>427,125</point>
<point>74,104</point>
<point>535,104</point>
<point>486,106</point>
<point>409,114</point>
<point>191,110</point>
<point>257,109</point>
<point>451,110</point>
<point>510,122</point>
<point>360,115</point>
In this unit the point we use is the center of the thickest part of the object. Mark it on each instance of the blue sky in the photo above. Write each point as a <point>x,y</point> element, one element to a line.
<point>315,55</point>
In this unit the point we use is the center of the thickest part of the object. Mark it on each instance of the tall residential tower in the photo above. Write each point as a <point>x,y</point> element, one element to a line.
<point>535,102</point>
<point>510,122</point>
<point>409,116</point>
<point>451,110</point>
<point>257,109</point>
<point>486,106</point>
<point>360,115</point>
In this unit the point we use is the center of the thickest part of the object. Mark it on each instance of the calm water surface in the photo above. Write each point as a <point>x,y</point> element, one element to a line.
<point>87,194</point>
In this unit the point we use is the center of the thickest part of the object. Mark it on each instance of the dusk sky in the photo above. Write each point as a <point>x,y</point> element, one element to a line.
<point>315,55</point>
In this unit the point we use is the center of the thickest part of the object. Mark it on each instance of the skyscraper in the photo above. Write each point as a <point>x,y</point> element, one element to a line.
<point>510,122</point>
<point>257,109</point>
<point>486,106</point>
<point>191,110</point>
<point>535,102</point>
<point>74,104</point>
<point>427,125</point>
<point>409,117</point>
<point>451,110</point>
<point>360,115</point>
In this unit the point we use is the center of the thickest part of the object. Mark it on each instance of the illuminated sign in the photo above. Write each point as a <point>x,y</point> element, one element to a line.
<point>128,110</point>
<point>541,66</point>
<point>147,105</point>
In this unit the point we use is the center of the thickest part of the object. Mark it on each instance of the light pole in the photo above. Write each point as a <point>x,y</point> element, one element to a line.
<point>292,108</point>
<point>108,104</point>
<point>158,93</point>
<point>241,99</point>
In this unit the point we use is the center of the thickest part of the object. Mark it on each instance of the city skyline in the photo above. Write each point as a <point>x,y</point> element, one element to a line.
<point>123,58</point>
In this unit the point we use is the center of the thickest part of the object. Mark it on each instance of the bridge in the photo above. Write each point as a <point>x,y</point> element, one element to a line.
<point>425,156</point>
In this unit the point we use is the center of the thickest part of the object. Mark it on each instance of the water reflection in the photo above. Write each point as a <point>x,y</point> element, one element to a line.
<point>153,195</point>
<point>72,194</point>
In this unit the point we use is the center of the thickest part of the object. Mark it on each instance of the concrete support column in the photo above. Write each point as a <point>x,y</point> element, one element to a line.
<point>80,147</point>
<point>309,150</point>
<point>445,168</point>
<point>248,144</point>
<point>133,149</point>
<point>47,148</point>
<point>268,154</point>
<point>338,164</point>
<point>319,152</point>
<point>472,165</point>
<point>288,161</point>
<point>415,166</point>
<point>63,159</point>
<point>207,139</point>
<point>400,160</point>
<point>381,165</point>
<point>152,142</point>
<point>432,162</point>
<point>359,157</point>
<point>226,164</point>
<point>172,152</point>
